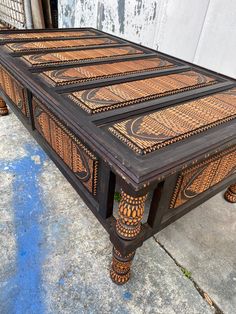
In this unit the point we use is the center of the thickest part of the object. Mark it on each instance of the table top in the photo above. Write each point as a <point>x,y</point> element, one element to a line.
<point>146,113</point>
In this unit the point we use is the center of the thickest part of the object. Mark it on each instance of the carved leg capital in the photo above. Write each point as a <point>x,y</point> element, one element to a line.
<point>131,210</point>
<point>3,108</point>
<point>230,194</point>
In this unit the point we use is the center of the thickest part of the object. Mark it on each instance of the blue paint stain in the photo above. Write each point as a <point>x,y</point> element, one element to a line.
<point>127,296</point>
<point>61,282</point>
<point>25,286</point>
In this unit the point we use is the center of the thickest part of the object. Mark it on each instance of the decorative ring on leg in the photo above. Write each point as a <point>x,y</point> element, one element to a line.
<point>3,108</point>
<point>230,196</point>
<point>120,268</point>
<point>3,111</point>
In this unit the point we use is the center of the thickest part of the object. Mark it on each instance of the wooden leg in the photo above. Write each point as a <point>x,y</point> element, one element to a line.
<point>230,194</point>
<point>3,108</point>
<point>128,226</point>
<point>120,268</point>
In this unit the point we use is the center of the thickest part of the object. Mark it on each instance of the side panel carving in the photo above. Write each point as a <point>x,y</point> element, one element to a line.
<point>75,155</point>
<point>197,179</point>
<point>14,90</point>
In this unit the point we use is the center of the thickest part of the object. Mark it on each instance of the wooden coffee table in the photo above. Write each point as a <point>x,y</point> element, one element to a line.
<point>112,113</point>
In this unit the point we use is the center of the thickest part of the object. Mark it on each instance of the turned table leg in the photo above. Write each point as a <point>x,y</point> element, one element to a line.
<point>230,194</point>
<point>128,226</point>
<point>3,108</point>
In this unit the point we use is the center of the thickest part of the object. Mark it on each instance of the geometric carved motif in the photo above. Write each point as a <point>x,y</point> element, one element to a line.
<point>197,179</point>
<point>76,56</point>
<point>119,95</point>
<point>67,76</point>
<point>44,45</point>
<point>75,155</point>
<point>45,35</point>
<point>14,91</point>
<point>150,132</point>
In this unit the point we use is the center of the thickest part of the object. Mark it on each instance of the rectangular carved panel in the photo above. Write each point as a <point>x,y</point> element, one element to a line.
<point>79,56</point>
<point>76,155</point>
<point>153,131</point>
<point>14,90</point>
<point>199,178</point>
<point>44,35</point>
<point>62,44</point>
<point>87,73</point>
<point>114,96</point>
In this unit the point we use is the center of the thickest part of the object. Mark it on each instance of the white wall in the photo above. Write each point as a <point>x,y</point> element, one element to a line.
<point>202,32</point>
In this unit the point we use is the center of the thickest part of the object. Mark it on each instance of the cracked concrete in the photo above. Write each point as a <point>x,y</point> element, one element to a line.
<point>204,241</point>
<point>63,267</point>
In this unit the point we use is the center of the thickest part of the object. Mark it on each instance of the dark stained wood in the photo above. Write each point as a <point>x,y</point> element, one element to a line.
<point>106,190</point>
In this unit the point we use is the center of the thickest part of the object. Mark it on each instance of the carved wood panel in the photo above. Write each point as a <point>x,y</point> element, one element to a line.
<point>153,131</point>
<point>87,73</point>
<point>62,44</point>
<point>199,178</point>
<point>79,56</point>
<point>14,90</point>
<point>75,155</point>
<point>44,35</point>
<point>125,94</point>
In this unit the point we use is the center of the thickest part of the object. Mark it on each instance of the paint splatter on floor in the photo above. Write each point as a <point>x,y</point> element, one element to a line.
<point>127,296</point>
<point>27,207</point>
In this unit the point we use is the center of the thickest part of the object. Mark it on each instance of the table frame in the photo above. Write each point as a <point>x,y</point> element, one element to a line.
<point>126,229</point>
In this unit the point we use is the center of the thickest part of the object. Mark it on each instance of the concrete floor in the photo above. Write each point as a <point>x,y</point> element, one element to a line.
<point>55,256</point>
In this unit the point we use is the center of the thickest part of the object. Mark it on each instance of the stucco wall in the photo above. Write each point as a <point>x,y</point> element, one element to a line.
<point>202,32</point>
